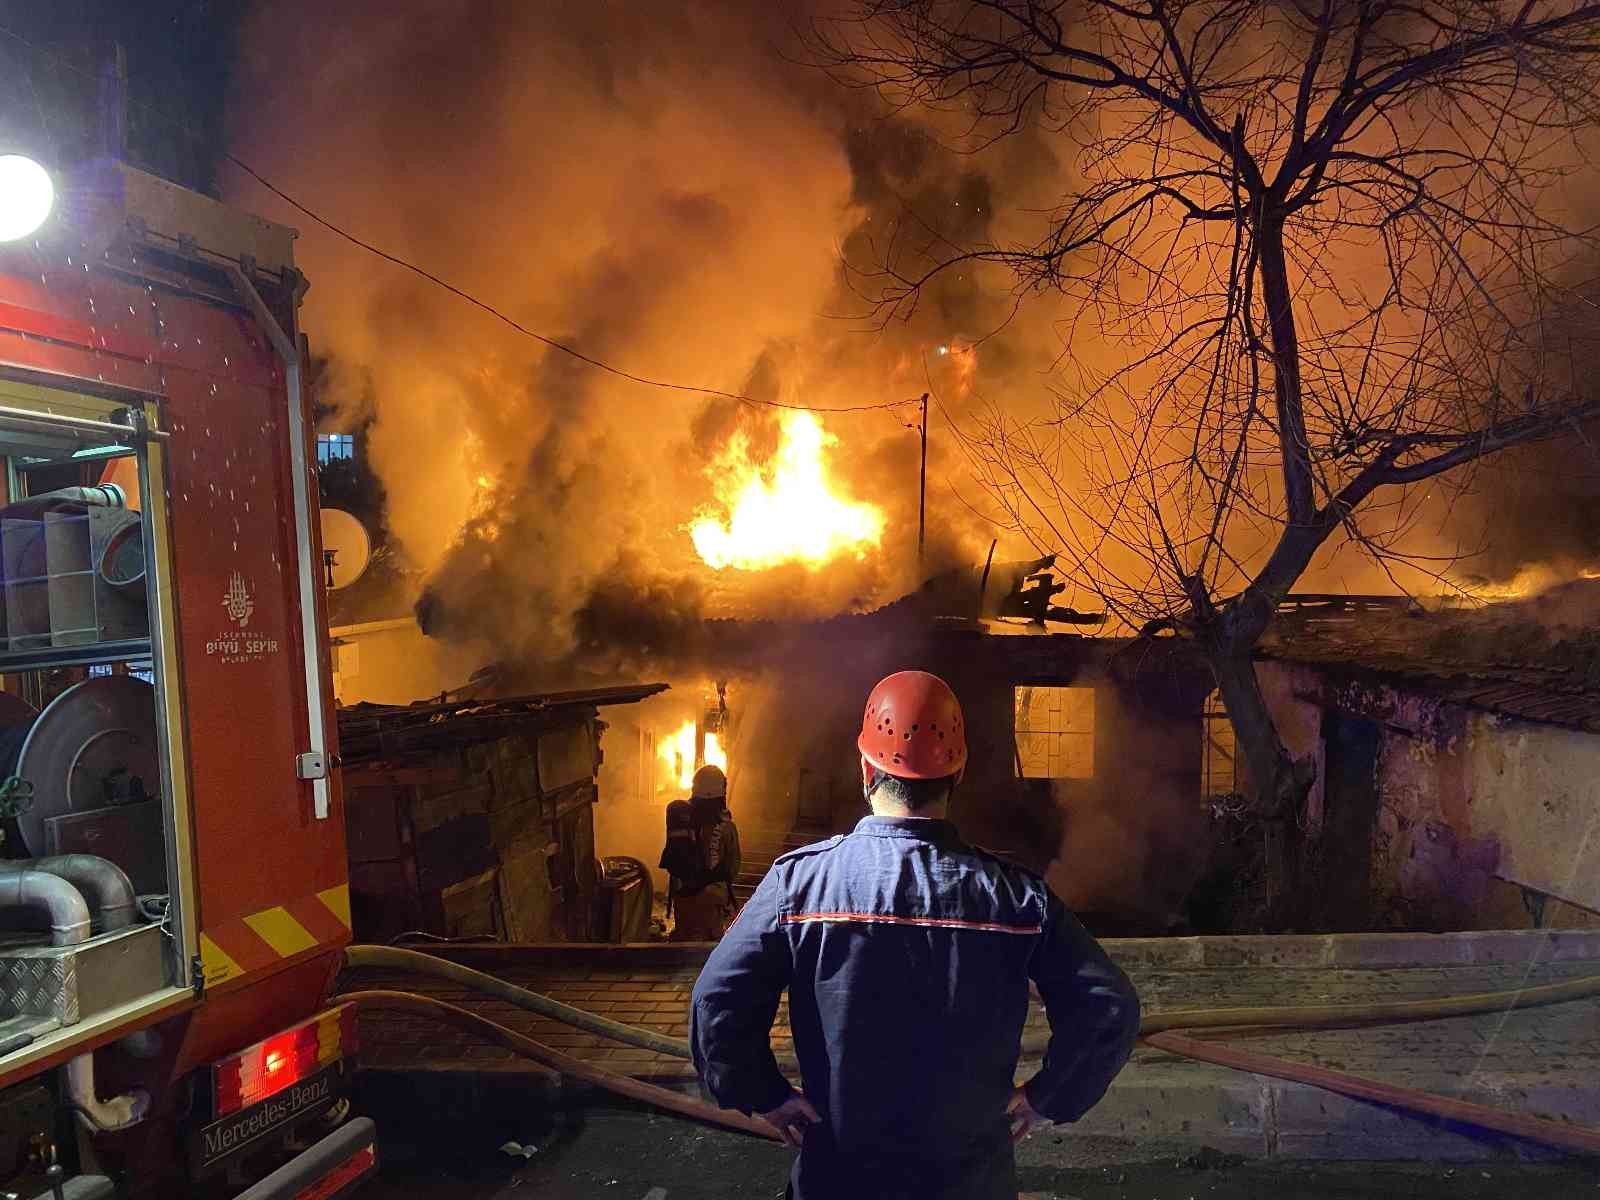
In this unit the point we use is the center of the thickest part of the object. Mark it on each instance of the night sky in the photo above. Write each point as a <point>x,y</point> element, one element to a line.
<point>180,57</point>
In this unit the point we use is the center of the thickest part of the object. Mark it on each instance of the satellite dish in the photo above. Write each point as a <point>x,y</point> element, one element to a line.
<point>346,548</point>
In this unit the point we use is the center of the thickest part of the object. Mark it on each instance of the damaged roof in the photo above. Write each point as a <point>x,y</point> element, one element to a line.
<point>368,731</point>
<point>1537,659</point>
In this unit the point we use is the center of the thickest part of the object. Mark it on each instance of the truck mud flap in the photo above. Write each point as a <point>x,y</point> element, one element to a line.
<point>327,1170</point>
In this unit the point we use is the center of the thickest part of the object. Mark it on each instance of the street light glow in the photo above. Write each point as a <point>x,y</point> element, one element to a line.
<point>26,197</point>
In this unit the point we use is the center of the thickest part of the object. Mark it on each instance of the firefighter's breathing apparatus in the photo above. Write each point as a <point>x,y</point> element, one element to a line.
<point>913,728</point>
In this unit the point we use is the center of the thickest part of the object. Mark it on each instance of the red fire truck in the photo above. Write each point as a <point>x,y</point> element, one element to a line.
<point>173,881</point>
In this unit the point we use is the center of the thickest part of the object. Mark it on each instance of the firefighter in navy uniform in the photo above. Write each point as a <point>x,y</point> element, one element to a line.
<point>907,956</point>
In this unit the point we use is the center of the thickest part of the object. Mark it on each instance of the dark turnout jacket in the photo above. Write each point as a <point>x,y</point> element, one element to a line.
<point>907,956</point>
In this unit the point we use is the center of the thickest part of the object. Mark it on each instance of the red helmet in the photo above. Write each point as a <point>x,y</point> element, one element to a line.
<point>912,728</point>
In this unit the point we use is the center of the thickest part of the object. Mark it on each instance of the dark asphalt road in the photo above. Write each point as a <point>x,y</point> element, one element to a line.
<point>601,1153</point>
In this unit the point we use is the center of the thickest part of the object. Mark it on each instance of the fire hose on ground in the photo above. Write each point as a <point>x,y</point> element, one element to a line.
<point>1166,1031</point>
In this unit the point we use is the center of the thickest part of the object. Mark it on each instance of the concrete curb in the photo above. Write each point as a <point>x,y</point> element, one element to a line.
<point>1353,950</point>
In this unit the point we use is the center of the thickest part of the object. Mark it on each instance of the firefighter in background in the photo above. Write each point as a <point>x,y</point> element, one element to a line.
<point>907,956</point>
<point>701,858</point>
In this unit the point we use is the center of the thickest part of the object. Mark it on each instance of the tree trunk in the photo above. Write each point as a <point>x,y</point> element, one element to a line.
<point>1299,494</point>
<point>1281,782</point>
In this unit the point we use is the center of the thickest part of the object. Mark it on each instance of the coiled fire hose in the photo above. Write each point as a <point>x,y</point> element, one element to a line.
<point>1160,1030</point>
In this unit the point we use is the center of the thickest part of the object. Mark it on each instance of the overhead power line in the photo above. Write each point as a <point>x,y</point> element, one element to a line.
<point>460,293</point>
<point>552,343</point>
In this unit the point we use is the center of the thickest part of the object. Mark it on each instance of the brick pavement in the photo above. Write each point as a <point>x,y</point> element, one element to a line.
<point>1543,1061</point>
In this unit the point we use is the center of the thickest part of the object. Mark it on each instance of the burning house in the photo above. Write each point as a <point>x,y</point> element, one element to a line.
<point>1455,754</point>
<point>1085,751</point>
<point>1105,762</point>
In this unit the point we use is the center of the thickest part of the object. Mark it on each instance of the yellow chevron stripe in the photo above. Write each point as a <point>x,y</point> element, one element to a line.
<point>216,963</point>
<point>338,901</point>
<point>281,931</point>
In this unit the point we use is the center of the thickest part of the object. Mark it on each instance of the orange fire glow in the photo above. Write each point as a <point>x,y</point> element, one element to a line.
<point>963,360</point>
<point>785,510</point>
<point>676,753</point>
<point>1532,580</point>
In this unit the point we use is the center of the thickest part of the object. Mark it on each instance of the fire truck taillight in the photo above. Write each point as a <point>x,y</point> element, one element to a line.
<point>283,1060</point>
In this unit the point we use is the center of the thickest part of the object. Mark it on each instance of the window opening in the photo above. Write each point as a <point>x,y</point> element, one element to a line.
<point>1219,764</point>
<point>1055,732</point>
<point>332,447</point>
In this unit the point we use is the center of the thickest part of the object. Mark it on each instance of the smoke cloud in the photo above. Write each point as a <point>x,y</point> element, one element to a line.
<point>660,187</point>
<point>667,189</point>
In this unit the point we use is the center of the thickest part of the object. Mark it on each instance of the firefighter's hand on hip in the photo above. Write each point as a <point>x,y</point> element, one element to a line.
<point>1024,1119</point>
<point>791,1119</point>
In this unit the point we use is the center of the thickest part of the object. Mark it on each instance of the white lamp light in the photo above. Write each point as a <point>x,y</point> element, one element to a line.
<point>27,195</point>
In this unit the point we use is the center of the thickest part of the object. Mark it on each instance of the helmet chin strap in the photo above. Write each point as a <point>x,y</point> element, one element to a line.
<point>872,776</point>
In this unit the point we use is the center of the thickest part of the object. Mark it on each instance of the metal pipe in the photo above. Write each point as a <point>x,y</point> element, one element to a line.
<point>104,885</point>
<point>104,495</point>
<point>305,1173</point>
<point>922,485</point>
<point>57,422</point>
<point>24,886</point>
<point>102,1116</point>
<point>312,765</point>
<point>983,584</point>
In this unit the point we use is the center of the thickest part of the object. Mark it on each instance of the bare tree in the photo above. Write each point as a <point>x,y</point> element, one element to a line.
<point>1316,253</point>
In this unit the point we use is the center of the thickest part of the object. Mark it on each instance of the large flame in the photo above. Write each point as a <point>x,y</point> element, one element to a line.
<point>676,752</point>
<point>785,510</point>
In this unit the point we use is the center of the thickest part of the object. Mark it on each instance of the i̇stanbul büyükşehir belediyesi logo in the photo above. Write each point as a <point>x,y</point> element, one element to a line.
<point>237,599</point>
